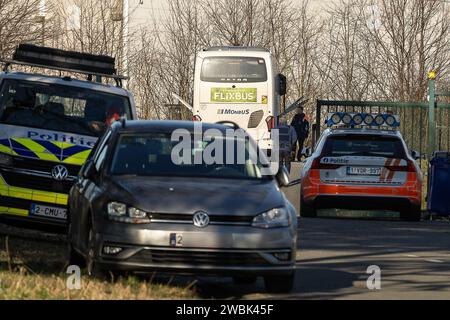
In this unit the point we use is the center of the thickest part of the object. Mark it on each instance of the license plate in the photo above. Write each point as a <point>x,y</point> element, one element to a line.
<point>49,212</point>
<point>176,240</point>
<point>364,171</point>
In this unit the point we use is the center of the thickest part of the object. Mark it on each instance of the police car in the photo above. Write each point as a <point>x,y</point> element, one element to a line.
<point>48,126</point>
<point>362,163</point>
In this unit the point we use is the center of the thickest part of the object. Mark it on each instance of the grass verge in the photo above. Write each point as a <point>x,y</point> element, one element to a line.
<point>34,267</point>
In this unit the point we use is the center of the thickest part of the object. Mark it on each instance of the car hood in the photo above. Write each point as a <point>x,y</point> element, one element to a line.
<point>188,195</point>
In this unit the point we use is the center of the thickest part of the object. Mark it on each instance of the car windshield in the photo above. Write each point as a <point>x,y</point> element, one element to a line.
<point>234,69</point>
<point>364,145</point>
<point>154,154</point>
<point>60,108</point>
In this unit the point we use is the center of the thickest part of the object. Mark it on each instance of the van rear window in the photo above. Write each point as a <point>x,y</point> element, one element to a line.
<point>364,145</point>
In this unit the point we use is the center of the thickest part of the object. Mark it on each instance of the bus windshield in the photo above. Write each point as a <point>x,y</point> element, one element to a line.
<point>234,69</point>
<point>60,108</point>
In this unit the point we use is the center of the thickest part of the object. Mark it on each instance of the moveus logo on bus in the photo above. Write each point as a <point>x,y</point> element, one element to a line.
<point>230,111</point>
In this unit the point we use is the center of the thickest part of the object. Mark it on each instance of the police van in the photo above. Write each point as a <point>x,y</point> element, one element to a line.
<point>48,126</point>
<point>361,162</point>
<point>241,86</point>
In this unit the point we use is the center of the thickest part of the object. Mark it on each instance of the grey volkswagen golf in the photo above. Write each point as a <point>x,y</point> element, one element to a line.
<point>150,199</point>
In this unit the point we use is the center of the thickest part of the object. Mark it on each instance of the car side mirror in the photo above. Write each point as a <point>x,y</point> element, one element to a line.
<point>295,182</point>
<point>89,170</point>
<point>282,84</point>
<point>415,155</point>
<point>307,152</point>
<point>283,177</point>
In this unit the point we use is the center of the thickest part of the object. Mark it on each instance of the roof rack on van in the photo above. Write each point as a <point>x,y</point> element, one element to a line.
<point>63,60</point>
<point>231,48</point>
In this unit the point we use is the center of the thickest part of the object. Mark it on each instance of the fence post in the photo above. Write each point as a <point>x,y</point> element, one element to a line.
<point>431,113</point>
<point>316,132</point>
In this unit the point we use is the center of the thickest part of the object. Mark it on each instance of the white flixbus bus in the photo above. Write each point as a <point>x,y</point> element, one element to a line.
<point>239,86</point>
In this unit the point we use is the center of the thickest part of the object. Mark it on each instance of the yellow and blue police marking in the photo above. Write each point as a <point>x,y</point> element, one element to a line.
<point>46,150</point>
<point>59,152</point>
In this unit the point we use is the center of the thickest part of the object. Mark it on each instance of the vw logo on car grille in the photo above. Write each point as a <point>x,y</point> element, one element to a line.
<point>60,173</point>
<point>201,219</point>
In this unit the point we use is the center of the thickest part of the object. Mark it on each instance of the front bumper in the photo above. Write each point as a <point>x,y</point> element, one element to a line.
<point>213,250</point>
<point>194,261</point>
<point>16,202</point>
<point>36,223</point>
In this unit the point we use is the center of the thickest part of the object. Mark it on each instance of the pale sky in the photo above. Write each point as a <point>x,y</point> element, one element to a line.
<point>142,11</point>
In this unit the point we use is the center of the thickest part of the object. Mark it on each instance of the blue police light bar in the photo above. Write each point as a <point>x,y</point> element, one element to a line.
<point>362,119</point>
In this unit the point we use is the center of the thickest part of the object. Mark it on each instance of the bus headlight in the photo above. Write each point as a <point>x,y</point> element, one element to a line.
<point>275,218</point>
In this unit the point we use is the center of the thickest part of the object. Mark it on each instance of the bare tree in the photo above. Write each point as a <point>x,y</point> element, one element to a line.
<point>233,22</point>
<point>388,59</point>
<point>92,26</point>
<point>183,34</point>
<point>414,39</point>
<point>144,82</point>
<point>20,22</point>
<point>356,49</point>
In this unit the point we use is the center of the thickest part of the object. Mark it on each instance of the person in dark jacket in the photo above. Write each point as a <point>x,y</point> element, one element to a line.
<point>301,126</point>
<point>288,139</point>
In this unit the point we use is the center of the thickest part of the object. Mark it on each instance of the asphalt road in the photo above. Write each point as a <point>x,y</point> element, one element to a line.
<point>332,259</point>
<point>334,254</point>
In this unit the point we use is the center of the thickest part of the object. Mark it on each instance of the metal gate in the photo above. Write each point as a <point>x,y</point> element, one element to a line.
<point>414,121</point>
<point>412,117</point>
<point>439,117</point>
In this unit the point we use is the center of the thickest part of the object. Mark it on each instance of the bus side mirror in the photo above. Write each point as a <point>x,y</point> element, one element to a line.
<point>282,84</point>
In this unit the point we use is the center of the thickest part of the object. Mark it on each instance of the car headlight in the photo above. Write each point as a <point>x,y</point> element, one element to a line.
<point>122,213</point>
<point>275,218</point>
<point>5,160</point>
<point>117,209</point>
<point>136,213</point>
